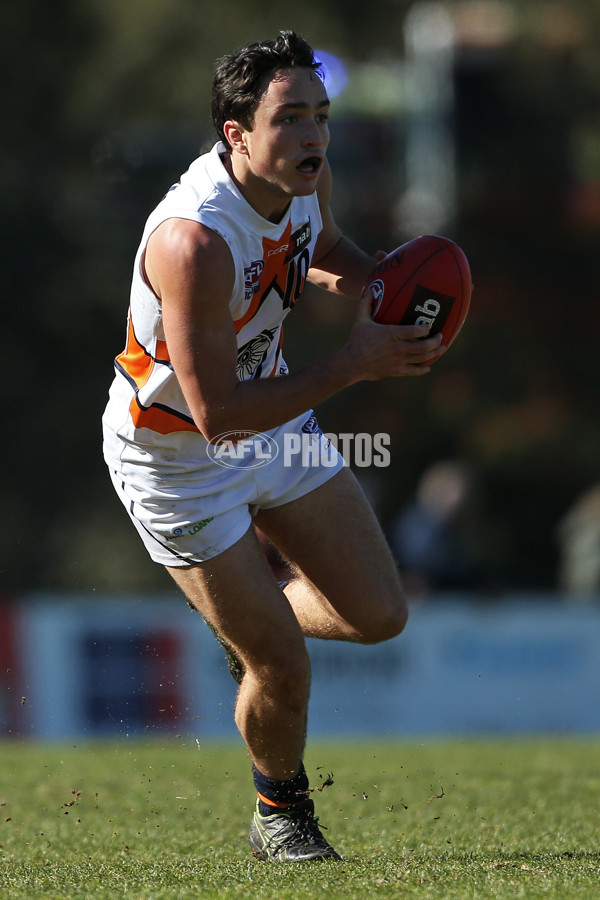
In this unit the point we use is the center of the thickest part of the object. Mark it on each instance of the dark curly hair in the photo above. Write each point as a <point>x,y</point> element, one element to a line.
<point>239,81</point>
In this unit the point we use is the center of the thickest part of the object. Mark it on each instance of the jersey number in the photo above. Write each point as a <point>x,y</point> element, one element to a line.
<point>297,270</point>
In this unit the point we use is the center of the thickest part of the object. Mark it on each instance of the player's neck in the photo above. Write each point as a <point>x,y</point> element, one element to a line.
<point>253,190</point>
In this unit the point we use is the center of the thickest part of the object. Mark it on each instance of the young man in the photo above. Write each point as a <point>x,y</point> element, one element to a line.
<point>222,260</point>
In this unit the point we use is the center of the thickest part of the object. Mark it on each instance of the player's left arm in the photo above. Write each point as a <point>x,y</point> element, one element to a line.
<point>338,265</point>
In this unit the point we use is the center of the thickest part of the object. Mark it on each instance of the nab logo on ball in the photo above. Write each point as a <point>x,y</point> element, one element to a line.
<point>250,450</point>
<point>428,307</point>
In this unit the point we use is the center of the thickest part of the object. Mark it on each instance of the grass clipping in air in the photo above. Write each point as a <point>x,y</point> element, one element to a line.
<point>169,819</point>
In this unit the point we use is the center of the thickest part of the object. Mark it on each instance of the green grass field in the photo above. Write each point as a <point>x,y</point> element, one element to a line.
<point>169,819</point>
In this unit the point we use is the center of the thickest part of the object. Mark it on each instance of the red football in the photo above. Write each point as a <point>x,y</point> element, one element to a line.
<point>425,281</point>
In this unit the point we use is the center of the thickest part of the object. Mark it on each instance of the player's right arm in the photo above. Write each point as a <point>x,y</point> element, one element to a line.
<point>191,270</point>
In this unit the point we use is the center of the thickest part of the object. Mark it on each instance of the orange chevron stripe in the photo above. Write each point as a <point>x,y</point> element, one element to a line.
<point>137,361</point>
<point>159,420</point>
<point>139,364</point>
<point>275,267</point>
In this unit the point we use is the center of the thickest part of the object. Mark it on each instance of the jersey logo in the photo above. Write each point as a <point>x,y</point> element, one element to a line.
<point>252,355</point>
<point>298,241</point>
<point>252,275</point>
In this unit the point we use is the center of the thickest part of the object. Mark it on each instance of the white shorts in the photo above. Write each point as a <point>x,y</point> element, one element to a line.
<point>189,518</point>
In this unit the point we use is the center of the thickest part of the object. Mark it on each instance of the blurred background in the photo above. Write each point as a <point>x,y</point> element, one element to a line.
<point>477,119</point>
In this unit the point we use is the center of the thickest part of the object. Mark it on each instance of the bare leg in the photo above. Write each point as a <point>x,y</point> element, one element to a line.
<point>347,586</point>
<point>347,589</point>
<point>237,593</point>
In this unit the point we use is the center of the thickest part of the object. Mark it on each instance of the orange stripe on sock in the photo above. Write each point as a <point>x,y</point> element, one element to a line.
<point>273,802</point>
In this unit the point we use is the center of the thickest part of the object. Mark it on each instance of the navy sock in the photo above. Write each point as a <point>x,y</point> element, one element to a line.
<point>274,795</point>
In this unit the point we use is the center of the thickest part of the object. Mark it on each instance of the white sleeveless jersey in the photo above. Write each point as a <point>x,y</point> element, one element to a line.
<point>147,420</point>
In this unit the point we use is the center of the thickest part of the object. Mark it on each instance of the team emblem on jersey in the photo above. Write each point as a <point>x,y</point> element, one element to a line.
<point>311,426</point>
<point>253,354</point>
<point>252,275</point>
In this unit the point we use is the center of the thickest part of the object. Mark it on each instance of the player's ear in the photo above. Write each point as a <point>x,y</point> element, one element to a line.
<point>236,136</point>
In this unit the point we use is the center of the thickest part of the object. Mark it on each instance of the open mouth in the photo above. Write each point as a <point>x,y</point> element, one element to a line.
<point>310,165</point>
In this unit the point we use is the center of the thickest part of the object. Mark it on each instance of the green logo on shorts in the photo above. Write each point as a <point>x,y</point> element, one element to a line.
<point>192,529</point>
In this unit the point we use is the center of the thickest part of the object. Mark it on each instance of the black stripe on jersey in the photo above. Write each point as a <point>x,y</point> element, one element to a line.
<point>167,409</point>
<point>161,406</point>
<point>126,375</point>
<point>130,378</point>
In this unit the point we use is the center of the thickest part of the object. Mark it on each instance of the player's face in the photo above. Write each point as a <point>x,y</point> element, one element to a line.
<point>282,155</point>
